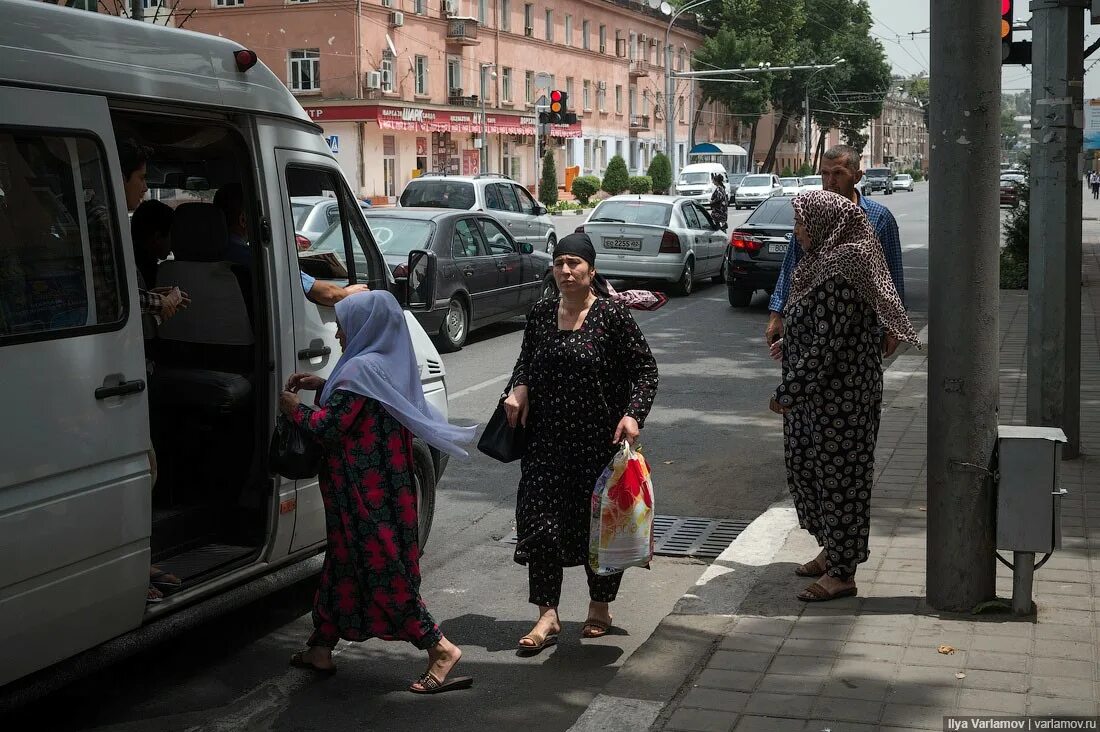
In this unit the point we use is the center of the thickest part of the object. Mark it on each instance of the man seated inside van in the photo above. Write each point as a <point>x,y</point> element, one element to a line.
<point>230,199</point>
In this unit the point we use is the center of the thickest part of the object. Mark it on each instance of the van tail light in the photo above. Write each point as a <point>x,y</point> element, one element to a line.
<point>746,243</point>
<point>579,229</point>
<point>670,243</point>
<point>302,242</point>
<point>245,59</point>
<point>401,271</point>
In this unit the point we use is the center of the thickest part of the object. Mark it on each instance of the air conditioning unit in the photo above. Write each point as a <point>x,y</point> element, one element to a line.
<point>644,38</point>
<point>374,79</point>
<point>397,19</point>
<point>450,7</point>
<point>387,3</point>
<point>603,48</point>
<point>602,86</point>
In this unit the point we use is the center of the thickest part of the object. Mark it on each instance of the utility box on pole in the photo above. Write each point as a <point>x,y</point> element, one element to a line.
<point>1029,499</point>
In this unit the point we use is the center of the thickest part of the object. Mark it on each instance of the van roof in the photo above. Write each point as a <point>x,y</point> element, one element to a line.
<point>53,47</point>
<point>702,166</point>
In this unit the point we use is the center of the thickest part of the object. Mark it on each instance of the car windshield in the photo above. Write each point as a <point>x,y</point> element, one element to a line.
<point>788,182</point>
<point>878,172</point>
<point>776,211</point>
<point>694,178</point>
<point>901,177</point>
<point>300,212</point>
<point>756,180</point>
<point>439,194</point>
<point>736,178</point>
<point>633,212</point>
<point>811,180</point>
<point>400,235</point>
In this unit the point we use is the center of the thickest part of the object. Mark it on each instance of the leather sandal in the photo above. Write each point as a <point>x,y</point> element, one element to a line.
<point>429,684</point>
<point>539,642</point>
<point>595,628</point>
<point>812,568</point>
<point>817,593</point>
<point>298,661</point>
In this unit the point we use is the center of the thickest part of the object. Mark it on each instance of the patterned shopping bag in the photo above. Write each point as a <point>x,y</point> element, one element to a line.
<point>621,528</point>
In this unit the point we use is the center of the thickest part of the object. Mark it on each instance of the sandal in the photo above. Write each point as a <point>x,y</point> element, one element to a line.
<point>812,568</point>
<point>429,684</point>
<point>539,641</point>
<point>595,628</point>
<point>298,661</point>
<point>817,593</point>
<point>163,580</point>
<point>154,595</point>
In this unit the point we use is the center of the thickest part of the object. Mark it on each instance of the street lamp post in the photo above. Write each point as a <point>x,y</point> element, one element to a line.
<point>484,154</point>
<point>670,93</point>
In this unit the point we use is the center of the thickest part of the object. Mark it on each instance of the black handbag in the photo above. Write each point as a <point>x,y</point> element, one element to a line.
<point>501,441</point>
<point>293,453</point>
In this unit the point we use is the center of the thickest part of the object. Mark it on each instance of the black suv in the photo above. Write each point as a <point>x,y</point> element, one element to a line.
<point>878,179</point>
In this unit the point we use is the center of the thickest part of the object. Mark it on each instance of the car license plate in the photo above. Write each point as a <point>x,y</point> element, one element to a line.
<point>632,245</point>
<point>778,247</point>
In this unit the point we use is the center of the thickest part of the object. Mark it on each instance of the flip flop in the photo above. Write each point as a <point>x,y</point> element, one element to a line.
<point>432,685</point>
<point>812,568</point>
<point>297,661</point>
<point>817,593</point>
<point>154,595</point>
<point>163,580</point>
<point>541,642</point>
<point>594,628</point>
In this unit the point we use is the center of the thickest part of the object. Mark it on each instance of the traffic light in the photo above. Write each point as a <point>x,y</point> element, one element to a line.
<point>1006,29</point>
<point>558,101</point>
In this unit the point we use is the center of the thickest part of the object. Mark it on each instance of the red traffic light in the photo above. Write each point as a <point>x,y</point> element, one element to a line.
<point>1006,7</point>
<point>555,96</point>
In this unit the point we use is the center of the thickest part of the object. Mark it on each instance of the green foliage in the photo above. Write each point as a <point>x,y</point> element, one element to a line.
<point>584,187</point>
<point>616,178</point>
<point>1013,273</point>
<point>787,173</point>
<point>548,184</point>
<point>640,184</point>
<point>1017,233</point>
<point>660,172</point>
<point>804,170</point>
<point>917,173</point>
<point>562,206</point>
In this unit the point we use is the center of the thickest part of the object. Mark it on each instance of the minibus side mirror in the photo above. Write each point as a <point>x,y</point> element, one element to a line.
<point>420,284</point>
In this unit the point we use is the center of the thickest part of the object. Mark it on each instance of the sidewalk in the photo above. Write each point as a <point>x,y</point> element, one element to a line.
<point>741,653</point>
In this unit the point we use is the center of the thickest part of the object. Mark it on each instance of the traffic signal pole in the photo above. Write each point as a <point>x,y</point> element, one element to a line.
<point>1054,278</point>
<point>964,292</point>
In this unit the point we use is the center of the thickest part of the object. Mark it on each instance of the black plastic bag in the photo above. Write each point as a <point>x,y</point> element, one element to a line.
<point>293,453</point>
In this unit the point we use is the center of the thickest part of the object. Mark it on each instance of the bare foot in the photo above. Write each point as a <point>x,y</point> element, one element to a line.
<point>442,658</point>
<point>548,624</point>
<point>318,657</point>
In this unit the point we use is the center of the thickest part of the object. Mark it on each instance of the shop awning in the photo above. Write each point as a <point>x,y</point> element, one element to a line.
<point>423,119</point>
<point>718,148</point>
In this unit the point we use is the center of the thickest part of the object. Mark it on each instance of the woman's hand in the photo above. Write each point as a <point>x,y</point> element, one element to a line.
<point>288,402</point>
<point>308,382</point>
<point>628,430</point>
<point>517,405</point>
<point>777,407</point>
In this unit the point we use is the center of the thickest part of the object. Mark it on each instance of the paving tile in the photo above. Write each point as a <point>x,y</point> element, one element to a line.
<point>1017,683</point>
<point>1022,629</point>
<point>987,661</point>
<point>740,641</point>
<point>739,661</point>
<point>816,725</point>
<point>872,652</point>
<point>999,701</point>
<point>720,700</point>
<point>856,688</point>
<point>821,631</point>
<point>910,717</point>
<point>1048,705</point>
<point>884,634</point>
<point>790,684</point>
<point>847,710</point>
<point>1074,650</point>
<point>701,720</point>
<point>911,675</point>
<point>1065,602</point>
<point>880,589</point>
<point>1000,644</point>
<point>929,656</point>
<point>853,669</point>
<point>806,665</point>
<point>769,724</point>
<point>810,647</point>
<point>941,697</point>
<point>713,678</point>
<point>763,626</point>
<point>779,705</point>
<point>1064,687</point>
<point>1064,667</point>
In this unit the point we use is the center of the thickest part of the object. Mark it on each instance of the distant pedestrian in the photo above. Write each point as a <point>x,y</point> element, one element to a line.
<point>831,392</point>
<point>370,408</point>
<point>719,201</point>
<point>584,381</point>
<point>1094,181</point>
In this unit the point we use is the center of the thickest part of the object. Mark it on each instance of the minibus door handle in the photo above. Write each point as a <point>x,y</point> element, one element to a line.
<point>126,387</point>
<point>307,353</point>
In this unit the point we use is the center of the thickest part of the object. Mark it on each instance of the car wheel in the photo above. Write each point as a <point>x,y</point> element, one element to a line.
<point>686,284</point>
<point>551,242</point>
<point>740,297</point>
<point>549,287</point>
<point>455,327</point>
<point>723,274</point>
<point>424,479</point>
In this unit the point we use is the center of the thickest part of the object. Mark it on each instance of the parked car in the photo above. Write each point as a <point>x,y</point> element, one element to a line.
<point>1010,189</point>
<point>791,186</point>
<point>525,218</point>
<point>664,238</point>
<point>878,179</point>
<point>695,181</point>
<point>903,182</point>
<point>483,275</point>
<point>757,188</point>
<point>313,215</point>
<point>757,248</point>
<point>735,182</point>
<point>811,183</point>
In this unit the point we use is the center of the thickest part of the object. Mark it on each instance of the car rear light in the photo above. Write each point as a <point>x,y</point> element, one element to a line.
<point>401,271</point>
<point>670,244</point>
<point>302,242</point>
<point>579,229</point>
<point>746,243</point>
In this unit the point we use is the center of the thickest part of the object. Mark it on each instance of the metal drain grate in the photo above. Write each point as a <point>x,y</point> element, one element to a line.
<point>688,536</point>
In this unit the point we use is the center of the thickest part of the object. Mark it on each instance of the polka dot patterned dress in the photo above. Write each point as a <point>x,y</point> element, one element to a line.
<point>581,384</point>
<point>832,383</point>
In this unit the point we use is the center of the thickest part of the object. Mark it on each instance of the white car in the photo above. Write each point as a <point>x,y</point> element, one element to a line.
<point>811,183</point>
<point>696,183</point>
<point>757,188</point>
<point>791,186</point>
<point>666,238</point>
<point>903,182</point>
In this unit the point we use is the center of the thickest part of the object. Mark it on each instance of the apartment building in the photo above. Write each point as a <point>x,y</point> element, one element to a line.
<point>898,138</point>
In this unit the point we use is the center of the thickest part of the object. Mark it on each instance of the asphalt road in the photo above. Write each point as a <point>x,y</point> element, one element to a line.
<point>715,451</point>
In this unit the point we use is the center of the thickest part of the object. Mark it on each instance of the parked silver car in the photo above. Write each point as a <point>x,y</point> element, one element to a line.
<point>757,188</point>
<point>665,238</point>
<point>313,215</point>
<point>525,218</point>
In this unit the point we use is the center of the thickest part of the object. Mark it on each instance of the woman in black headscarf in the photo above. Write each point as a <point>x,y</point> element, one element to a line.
<point>584,382</point>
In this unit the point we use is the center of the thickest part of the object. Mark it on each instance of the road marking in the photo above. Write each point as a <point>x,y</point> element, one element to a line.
<point>478,387</point>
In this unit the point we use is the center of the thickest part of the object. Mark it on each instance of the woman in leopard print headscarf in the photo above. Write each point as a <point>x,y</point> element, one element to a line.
<point>842,298</point>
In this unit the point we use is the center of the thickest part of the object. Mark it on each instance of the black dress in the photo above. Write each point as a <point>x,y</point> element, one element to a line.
<point>581,384</point>
<point>832,383</point>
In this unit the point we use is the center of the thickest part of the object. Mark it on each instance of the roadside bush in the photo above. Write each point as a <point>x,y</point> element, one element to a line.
<point>804,170</point>
<point>1013,273</point>
<point>917,174</point>
<point>548,184</point>
<point>640,184</point>
<point>584,187</point>
<point>616,179</point>
<point>660,173</point>
<point>787,173</point>
<point>561,206</point>
<point>1017,233</point>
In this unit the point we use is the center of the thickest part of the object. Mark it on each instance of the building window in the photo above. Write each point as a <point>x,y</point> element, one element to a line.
<point>633,105</point>
<point>389,166</point>
<point>228,3</point>
<point>586,94</point>
<point>486,77</point>
<point>505,21</point>
<point>454,76</point>
<point>506,84</point>
<point>632,48</point>
<point>550,25</point>
<point>601,96</point>
<point>680,60</point>
<point>618,99</point>
<point>482,12</point>
<point>603,39</point>
<point>529,19</point>
<point>387,71</point>
<point>586,35</point>
<point>305,70</point>
<point>420,69</point>
<point>645,103</point>
<point>420,7</point>
<point>680,109</point>
<point>568,30</point>
<point>569,86</point>
<point>529,87</point>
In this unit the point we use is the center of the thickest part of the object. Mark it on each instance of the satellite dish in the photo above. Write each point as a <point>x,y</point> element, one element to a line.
<point>389,42</point>
<point>654,4</point>
<point>666,8</point>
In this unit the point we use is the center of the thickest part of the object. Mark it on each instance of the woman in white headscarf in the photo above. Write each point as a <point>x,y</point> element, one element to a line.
<point>370,408</point>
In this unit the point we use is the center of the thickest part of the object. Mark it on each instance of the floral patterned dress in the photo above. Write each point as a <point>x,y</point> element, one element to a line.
<point>832,383</point>
<point>370,582</point>
<point>581,384</point>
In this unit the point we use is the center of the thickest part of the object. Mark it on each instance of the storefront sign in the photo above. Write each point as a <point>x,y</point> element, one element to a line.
<point>1092,125</point>
<point>418,119</point>
<point>471,162</point>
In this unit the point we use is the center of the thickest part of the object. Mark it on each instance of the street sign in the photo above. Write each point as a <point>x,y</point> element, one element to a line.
<point>333,143</point>
<point>543,80</point>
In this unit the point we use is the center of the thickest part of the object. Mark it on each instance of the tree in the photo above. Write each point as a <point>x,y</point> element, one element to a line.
<point>1010,131</point>
<point>616,179</point>
<point>548,185</point>
<point>660,172</point>
<point>731,48</point>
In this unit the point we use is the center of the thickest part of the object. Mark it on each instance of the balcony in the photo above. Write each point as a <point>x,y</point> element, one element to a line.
<point>456,98</point>
<point>462,32</point>
<point>639,67</point>
<point>639,122</point>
